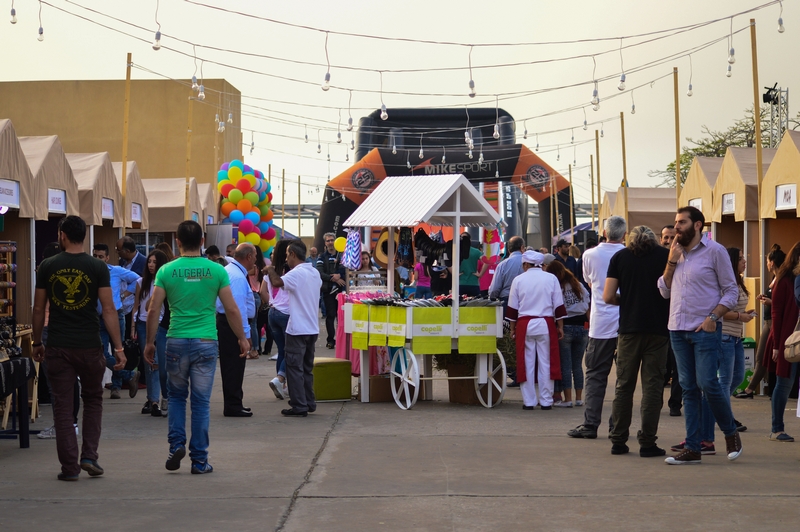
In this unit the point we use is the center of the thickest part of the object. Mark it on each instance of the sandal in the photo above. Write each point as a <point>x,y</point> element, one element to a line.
<point>252,355</point>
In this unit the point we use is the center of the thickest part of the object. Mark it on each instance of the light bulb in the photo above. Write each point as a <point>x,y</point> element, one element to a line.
<point>306,139</point>
<point>350,124</point>
<point>195,86</point>
<point>621,85</point>
<point>732,56</point>
<point>633,109</point>
<point>408,163</point>
<point>596,107</point>
<point>572,140</point>
<point>558,157</point>
<point>472,92</point>
<point>384,114</point>
<point>338,138</point>
<point>216,117</point>
<point>469,154</point>
<point>394,149</point>
<point>585,125</point>
<point>421,153</point>
<point>471,144</point>
<point>157,44</point>
<point>221,128</point>
<point>444,159</point>
<point>525,134</point>
<point>319,148</point>
<point>781,29</point>
<point>252,147</point>
<point>689,92</point>
<point>346,156</point>
<point>537,145</point>
<point>480,158</point>
<point>329,157</point>
<point>729,72</point>
<point>496,132</point>
<point>352,144</point>
<point>602,133</point>
<point>41,34</point>
<point>595,99</point>
<point>14,18</point>
<point>326,84</point>
<point>466,138</point>
<point>497,173</point>
<point>230,118</point>
<point>201,93</point>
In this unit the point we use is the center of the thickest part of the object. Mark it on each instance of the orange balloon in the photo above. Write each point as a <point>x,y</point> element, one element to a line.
<point>267,217</point>
<point>245,205</point>
<point>227,208</point>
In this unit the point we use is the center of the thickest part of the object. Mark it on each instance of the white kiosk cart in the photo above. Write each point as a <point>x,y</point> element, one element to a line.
<point>406,201</point>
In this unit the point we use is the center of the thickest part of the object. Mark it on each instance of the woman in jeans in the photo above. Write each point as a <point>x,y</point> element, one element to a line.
<point>774,261</point>
<point>573,344</point>
<point>422,279</point>
<point>279,318</point>
<point>784,318</point>
<point>144,289</point>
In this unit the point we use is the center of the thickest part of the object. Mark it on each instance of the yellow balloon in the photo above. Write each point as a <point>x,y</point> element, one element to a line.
<point>340,243</point>
<point>251,179</point>
<point>241,237</point>
<point>234,174</point>
<point>263,245</point>
<point>253,238</point>
<point>222,184</point>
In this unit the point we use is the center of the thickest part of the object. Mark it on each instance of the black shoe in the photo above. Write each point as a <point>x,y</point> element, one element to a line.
<point>675,412</point>
<point>619,448</point>
<point>312,409</point>
<point>247,409</point>
<point>583,431</point>
<point>174,458</point>
<point>527,407</point>
<point>133,384</point>
<point>147,408</point>
<point>744,395</point>
<point>650,452</point>
<point>155,410</point>
<point>91,467</point>
<point>291,412</point>
<point>71,478</point>
<point>547,408</point>
<point>739,426</point>
<point>330,345</point>
<point>238,413</point>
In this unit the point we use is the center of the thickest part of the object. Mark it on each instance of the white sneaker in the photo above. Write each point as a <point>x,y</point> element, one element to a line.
<point>578,403</point>
<point>77,432</point>
<point>563,404</point>
<point>277,387</point>
<point>164,405</point>
<point>274,357</point>
<point>285,391</point>
<point>47,434</point>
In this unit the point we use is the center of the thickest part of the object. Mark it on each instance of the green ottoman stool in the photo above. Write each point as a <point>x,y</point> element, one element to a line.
<point>332,379</point>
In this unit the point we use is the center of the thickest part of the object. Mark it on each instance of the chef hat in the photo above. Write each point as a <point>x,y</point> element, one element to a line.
<point>533,257</point>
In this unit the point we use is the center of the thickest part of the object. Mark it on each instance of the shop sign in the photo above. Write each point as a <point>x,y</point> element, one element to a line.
<point>136,212</point>
<point>697,203</point>
<point>477,329</point>
<point>728,203</point>
<point>107,208</point>
<point>195,217</point>
<point>432,330</point>
<point>785,197</point>
<point>56,201</point>
<point>9,193</point>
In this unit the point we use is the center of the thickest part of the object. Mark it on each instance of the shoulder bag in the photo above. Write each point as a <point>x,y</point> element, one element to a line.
<point>791,351</point>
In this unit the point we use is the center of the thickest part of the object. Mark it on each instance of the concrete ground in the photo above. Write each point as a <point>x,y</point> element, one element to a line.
<point>439,466</point>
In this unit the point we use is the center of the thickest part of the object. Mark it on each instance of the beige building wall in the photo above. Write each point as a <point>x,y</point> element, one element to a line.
<point>87,116</point>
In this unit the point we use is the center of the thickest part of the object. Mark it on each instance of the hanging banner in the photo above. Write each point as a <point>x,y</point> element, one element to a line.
<point>56,201</point>
<point>136,212</point>
<point>9,193</point>
<point>107,208</point>
<point>785,197</point>
<point>432,331</point>
<point>477,330</point>
<point>360,327</point>
<point>378,326</point>
<point>397,326</point>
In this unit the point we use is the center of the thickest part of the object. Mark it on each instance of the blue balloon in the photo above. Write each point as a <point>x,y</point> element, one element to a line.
<point>263,226</point>
<point>253,217</point>
<point>237,163</point>
<point>262,197</point>
<point>269,187</point>
<point>222,175</point>
<point>236,216</point>
<point>268,252</point>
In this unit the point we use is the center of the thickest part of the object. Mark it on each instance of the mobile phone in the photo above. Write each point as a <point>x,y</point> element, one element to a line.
<point>754,314</point>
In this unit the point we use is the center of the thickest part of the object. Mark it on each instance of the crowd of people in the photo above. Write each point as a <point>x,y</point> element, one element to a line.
<point>669,309</point>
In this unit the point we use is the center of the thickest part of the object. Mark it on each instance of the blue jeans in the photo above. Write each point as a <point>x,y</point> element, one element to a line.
<point>572,347</point>
<point>191,363</point>
<point>423,292</point>
<point>780,396</point>
<point>117,377</point>
<point>730,374</point>
<point>153,376</point>
<point>698,356</point>
<point>277,325</point>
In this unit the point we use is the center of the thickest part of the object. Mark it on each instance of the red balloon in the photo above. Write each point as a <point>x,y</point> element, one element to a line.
<point>270,234</point>
<point>225,190</point>
<point>246,226</point>
<point>269,197</point>
<point>244,186</point>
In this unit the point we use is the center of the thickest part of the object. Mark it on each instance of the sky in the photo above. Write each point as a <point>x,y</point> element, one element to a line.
<point>277,113</point>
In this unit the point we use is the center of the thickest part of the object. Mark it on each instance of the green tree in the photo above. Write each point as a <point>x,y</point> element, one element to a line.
<point>715,143</point>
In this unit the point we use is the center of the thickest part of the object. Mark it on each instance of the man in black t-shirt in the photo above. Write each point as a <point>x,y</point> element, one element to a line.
<point>72,282</point>
<point>643,337</point>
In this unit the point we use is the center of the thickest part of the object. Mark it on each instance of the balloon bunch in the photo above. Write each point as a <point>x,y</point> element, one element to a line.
<point>246,202</point>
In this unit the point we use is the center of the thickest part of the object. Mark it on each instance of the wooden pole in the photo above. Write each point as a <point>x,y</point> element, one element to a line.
<point>126,215</point>
<point>186,215</point>
<point>759,153</point>
<point>283,200</point>
<point>269,174</point>
<point>571,208</point>
<point>597,157</point>
<point>591,186</point>
<point>555,200</point>
<point>677,139</point>
<point>624,165</point>
<point>298,206</point>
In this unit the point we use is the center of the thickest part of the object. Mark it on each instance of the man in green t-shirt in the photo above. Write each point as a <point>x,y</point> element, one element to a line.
<point>72,282</point>
<point>468,280</point>
<point>191,285</point>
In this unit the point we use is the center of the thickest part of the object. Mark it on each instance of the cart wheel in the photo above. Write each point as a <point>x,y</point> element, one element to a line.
<point>491,393</point>
<point>404,374</point>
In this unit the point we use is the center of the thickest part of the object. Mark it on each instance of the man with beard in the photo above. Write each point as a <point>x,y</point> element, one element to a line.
<point>701,287</point>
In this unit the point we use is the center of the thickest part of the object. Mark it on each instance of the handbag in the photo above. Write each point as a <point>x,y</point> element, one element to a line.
<point>791,350</point>
<point>132,354</point>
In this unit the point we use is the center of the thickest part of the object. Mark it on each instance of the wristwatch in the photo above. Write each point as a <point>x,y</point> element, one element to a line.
<point>713,317</point>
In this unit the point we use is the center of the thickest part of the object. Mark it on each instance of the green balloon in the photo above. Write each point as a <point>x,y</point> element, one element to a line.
<point>252,196</point>
<point>235,195</point>
<point>264,209</point>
